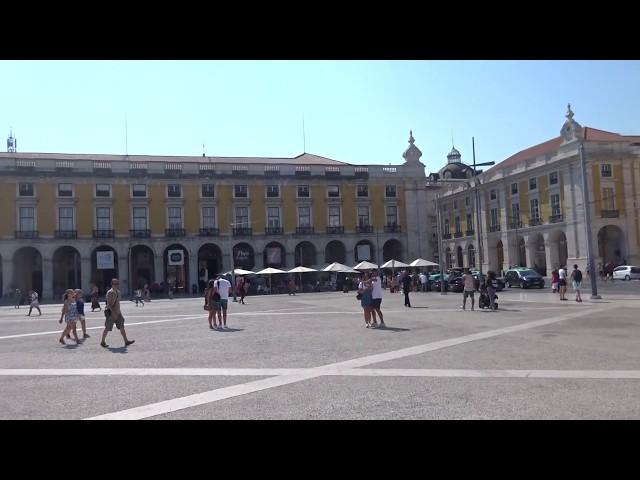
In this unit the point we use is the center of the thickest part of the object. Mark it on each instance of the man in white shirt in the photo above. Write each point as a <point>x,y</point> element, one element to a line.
<point>423,282</point>
<point>562,273</point>
<point>376,296</point>
<point>222,287</point>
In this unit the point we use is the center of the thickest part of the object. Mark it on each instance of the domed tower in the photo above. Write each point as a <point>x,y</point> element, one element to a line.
<point>454,156</point>
<point>454,167</point>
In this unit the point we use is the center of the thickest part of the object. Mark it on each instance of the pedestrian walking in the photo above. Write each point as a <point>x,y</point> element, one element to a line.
<point>210,298</point>
<point>34,303</point>
<point>576,282</point>
<point>562,283</point>
<point>113,315</point>
<point>18,298</point>
<point>222,287</point>
<point>139,297</point>
<point>70,316</point>
<point>95,295</point>
<point>146,293</point>
<point>492,285</point>
<point>423,282</point>
<point>292,286</point>
<point>364,294</point>
<point>244,290</point>
<point>80,310</point>
<point>555,281</point>
<point>469,289</point>
<point>376,299</point>
<point>406,288</point>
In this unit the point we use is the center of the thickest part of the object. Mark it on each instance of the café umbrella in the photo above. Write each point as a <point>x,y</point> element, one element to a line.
<point>421,262</point>
<point>270,271</point>
<point>300,270</point>
<point>339,268</point>
<point>366,266</point>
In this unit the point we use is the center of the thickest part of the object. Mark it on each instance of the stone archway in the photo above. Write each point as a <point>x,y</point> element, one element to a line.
<point>104,267</point>
<point>521,252</point>
<point>66,270</point>
<point>335,251</point>
<point>209,264</point>
<point>305,254</point>
<point>611,245</point>
<point>27,270</point>
<point>243,256</point>
<point>142,267</point>
<point>274,255</point>
<point>392,250</point>
<point>471,256</point>
<point>364,251</point>
<point>538,254</point>
<point>558,253</point>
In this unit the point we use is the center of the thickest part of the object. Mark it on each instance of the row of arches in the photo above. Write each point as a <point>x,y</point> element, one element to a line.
<point>142,266</point>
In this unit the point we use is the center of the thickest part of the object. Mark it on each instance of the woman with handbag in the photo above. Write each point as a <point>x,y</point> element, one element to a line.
<point>366,300</point>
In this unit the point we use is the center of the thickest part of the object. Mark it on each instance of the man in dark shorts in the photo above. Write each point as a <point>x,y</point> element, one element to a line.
<point>406,288</point>
<point>115,315</point>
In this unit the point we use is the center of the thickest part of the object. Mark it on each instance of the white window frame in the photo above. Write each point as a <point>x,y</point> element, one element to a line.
<point>362,185</point>
<point>298,191</point>
<point>214,190</point>
<point>133,217</point>
<point>517,188</point>
<point>516,218</point>
<point>469,221</point>
<point>395,190</point>
<point>202,217</point>
<point>495,219</point>
<point>33,187</point>
<point>146,191</point>
<point>606,205</point>
<point>95,191</point>
<point>536,187</point>
<point>457,225</point>
<point>386,215</point>
<point>603,169</point>
<point>329,207</point>
<point>531,216</point>
<point>368,215</point>
<point>35,217</point>
<point>557,174</point>
<point>179,186</point>
<point>169,226</point>
<point>97,224</point>
<point>310,215</point>
<point>246,186</point>
<point>493,194</point>
<point>279,216</point>
<point>235,217</point>
<point>73,193</point>
<point>334,196</point>
<point>269,186</point>
<point>73,218</point>
<point>551,204</point>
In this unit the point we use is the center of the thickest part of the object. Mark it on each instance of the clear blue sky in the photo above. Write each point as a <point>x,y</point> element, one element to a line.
<point>355,111</point>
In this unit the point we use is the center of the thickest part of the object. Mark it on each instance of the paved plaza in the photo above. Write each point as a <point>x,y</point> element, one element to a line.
<point>310,356</point>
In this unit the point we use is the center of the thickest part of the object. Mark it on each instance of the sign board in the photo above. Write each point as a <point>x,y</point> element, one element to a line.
<point>175,257</point>
<point>364,252</point>
<point>104,260</point>
<point>274,256</point>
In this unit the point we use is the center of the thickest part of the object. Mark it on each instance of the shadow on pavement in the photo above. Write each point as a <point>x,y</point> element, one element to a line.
<point>392,329</point>
<point>122,349</point>
<point>229,330</point>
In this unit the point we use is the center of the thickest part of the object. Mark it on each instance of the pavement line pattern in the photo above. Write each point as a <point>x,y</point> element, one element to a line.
<point>181,403</point>
<point>357,372</point>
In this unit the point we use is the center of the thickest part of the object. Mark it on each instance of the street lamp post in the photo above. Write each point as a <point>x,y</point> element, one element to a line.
<point>587,218</point>
<point>477,199</point>
<point>233,263</point>
<point>440,251</point>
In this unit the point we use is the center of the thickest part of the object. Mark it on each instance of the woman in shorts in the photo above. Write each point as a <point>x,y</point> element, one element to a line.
<point>366,300</point>
<point>70,316</point>
<point>209,304</point>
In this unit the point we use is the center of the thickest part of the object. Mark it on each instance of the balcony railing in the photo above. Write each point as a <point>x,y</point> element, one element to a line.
<point>334,230</point>
<point>364,228</point>
<point>209,232</point>
<point>69,234</point>
<point>535,221</point>
<point>242,231</point>
<point>446,236</point>
<point>27,234</point>
<point>556,218</point>
<point>457,234</point>
<point>393,228</point>
<point>140,233</point>
<point>274,230</point>
<point>494,228</point>
<point>609,213</point>
<point>470,232</point>
<point>174,232</point>
<point>103,234</point>
<point>304,230</point>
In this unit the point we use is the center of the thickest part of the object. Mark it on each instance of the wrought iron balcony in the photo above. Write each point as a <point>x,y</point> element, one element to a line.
<point>140,233</point>
<point>274,230</point>
<point>103,234</point>
<point>457,234</point>
<point>336,229</point>
<point>609,213</point>
<point>535,221</point>
<point>446,236</point>
<point>556,218</point>
<point>242,231</point>
<point>304,230</point>
<point>470,232</point>
<point>27,234</point>
<point>392,228</point>
<point>494,228</point>
<point>209,232</point>
<point>364,228</point>
<point>174,232</point>
<point>69,234</point>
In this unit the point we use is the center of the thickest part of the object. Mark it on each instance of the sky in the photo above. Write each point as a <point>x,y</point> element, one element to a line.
<point>354,111</point>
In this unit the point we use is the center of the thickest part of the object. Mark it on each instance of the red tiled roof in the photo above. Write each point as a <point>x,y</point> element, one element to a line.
<point>591,135</point>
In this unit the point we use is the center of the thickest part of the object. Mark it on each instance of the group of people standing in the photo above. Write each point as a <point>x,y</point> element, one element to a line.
<point>370,295</point>
<point>559,282</point>
<point>216,301</point>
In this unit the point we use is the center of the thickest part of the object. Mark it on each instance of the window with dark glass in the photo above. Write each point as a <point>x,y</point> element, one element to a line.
<point>605,170</point>
<point>25,189</point>
<point>65,190</point>
<point>334,216</point>
<point>553,178</point>
<point>273,191</point>
<point>333,190</point>
<point>390,191</point>
<point>208,190</point>
<point>65,218</point>
<point>304,216</point>
<point>240,191</point>
<point>362,190</point>
<point>139,218</point>
<point>103,190</point>
<point>533,183</point>
<point>514,188</point>
<point>303,191</point>
<point>103,218</point>
<point>174,190</point>
<point>139,190</point>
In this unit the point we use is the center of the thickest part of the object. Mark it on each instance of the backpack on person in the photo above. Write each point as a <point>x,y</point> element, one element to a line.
<point>577,275</point>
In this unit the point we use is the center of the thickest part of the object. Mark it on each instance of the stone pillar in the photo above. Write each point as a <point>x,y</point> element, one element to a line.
<point>291,260</point>
<point>47,278</point>
<point>85,273</point>
<point>193,271</point>
<point>123,273</point>
<point>158,269</point>
<point>350,257</point>
<point>7,275</point>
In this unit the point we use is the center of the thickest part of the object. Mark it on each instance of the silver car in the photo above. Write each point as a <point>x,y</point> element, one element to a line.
<point>626,272</point>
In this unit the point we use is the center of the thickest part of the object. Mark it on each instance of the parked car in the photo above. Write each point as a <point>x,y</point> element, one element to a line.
<point>524,278</point>
<point>434,283</point>
<point>499,281</point>
<point>626,272</point>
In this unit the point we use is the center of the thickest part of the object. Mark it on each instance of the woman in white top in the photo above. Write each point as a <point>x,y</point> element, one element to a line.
<point>376,296</point>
